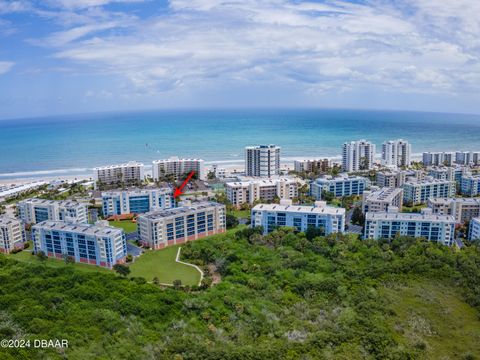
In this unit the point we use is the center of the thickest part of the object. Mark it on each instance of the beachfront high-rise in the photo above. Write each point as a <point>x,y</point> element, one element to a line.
<point>271,216</point>
<point>342,185</point>
<point>176,167</point>
<point>387,225</point>
<point>467,157</point>
<point>130,172</point>
<point>12,234</point>
<point>241,192</point>
<point>262,160</point>
<point>33,211</point>
<point>136,201</point>
<point>438,158</point>
<point>159,229</point>
<point>85,243</point>
<point>396,153</point>
<point>358,155</point>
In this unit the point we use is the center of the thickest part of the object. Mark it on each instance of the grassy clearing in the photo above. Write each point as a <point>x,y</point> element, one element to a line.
<point>241,213</point>
<point>161,264</point>
<point>433,316</point>
<point>127,225</point>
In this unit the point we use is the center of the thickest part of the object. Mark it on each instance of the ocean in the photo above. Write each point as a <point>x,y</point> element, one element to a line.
<point>74,144</point>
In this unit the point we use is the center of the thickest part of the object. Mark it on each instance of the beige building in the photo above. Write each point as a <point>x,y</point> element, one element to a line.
<point>390,178</point>
<point>463,209</point>
<point>380,200</point>
<point>315,166</point>
<point>242,192</point>
<point>12,234</point>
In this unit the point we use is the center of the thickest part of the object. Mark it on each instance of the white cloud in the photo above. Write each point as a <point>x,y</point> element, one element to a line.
<point>5,66</point>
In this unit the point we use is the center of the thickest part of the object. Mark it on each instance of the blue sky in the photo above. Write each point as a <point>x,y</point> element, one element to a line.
<point>74,56</point>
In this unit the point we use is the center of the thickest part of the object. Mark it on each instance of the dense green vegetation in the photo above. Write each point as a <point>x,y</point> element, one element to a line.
<point>281,296</point>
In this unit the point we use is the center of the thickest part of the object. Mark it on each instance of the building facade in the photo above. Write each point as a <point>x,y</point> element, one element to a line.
<point>158,229</point>
<point>342,185</point>
<point>438,158</point>
<point>136,201</point>
<point>474,229</point>
<point>390,178</point>
<point>467,157</point>
<point>463,209</point>
<point>419,191</point>
<point>381,200</point>
<point>262,160</point>
<point>122,173</point>
<point>470,185</point>
<point>241,192</point>
<point>271,216</point>
<point>396,153</point>
<point>309,166</point>
<point>12,234</point>
<point>177,167</point>
<point>387,225</point>
<point>358,155</point>
<point>33,211</point>
<point>85,243</point>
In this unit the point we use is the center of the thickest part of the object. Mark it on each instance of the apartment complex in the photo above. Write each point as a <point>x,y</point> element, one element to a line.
<point>381,200</point>
<point>90,244</point>
<point>12,234</point>
<point>467,157</point>
<point>309,166</point>
<point>342,185</point>
<point>241,192</point>
<point>33,211</point>
<point>390,178</point>
<point>396,153</point>
<point>271,216</point>
<point>448,173</point>
<point>188,222</point>
<point>262,160</point>
<point>474,229</point>
<point>177,167</point>
<point>418,191</point>
<point>122,173</point>
<point>387,225</point>
<point>136,201</point>
<point>463,209</point>
<point>470,185</point>
<point>358,155</point>
<point>438,158</point>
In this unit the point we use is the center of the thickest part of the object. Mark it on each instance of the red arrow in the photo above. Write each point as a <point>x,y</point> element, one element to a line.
<point>179,190</point>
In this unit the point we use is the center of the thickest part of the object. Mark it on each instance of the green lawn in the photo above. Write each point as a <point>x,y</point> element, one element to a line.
<point>27,257</point>
<point>241,213</point>
<point>413,209</point>
<point>433,315</point>
<point>127,225</point>
<point>161,264</point>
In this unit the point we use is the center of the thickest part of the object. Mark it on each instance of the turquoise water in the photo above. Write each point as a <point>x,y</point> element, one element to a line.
<point>75,144</point>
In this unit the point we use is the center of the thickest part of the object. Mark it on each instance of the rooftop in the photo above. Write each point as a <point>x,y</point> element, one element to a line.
<point>128,164</point>
<point>384,194</point>
<point>135,191</point>
<point>6,220</point>
<point>427,181</point>
<point>180,210</point>
<point>330,210</point>
<point>66,203</point>
<point>468,201</point>
<point>174,159</point>
<point>260,182</point>
<point>87,229</point>
<point>408,216</point>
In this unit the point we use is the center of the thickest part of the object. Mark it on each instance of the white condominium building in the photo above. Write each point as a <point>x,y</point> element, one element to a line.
<point>177,167</point>
<point>387,225</point>
<point>396,153</point>
<point>474,229</point>
<point>315,166</point>
<point>380,200</point>
<point>12,234</point>
<point>85,243</point>
<point>262,160</point>
<point>470,185</point>
<point>242,192</point>
<point>438,158</point>
<point>448,172</point>
<point>419,191</point>
<point>342,185</point>
<point>159,229</point>
<point>463,209</point>
<point>467,157</point>
<point>390,178</point>
<point>358,155</point>
<point>136,201</point>
<point>271,216</point>
<point>33,211</point>
<point>121,173</point>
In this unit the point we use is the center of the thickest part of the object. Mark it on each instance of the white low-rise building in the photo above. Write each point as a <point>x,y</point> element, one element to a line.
<point>470,185</point>
<point>136,201</point>
<point>271,216</point>
<point>379,200</point>
<point>12,234</point>
<point>419,191</point>
<point>341,185</point>
<point>33,211</point>
<point>177,167</point>
<point>241,192</point>
<point>158,229</point>
<point>120,173</point>
<point>387,225</point>
<point>474,230</point>
<point>463,209</point>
